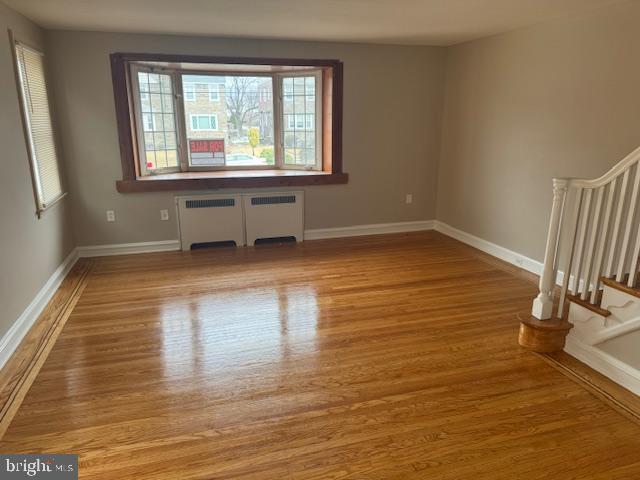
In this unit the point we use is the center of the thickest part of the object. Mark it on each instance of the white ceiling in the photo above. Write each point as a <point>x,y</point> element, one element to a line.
<point>419,22</point>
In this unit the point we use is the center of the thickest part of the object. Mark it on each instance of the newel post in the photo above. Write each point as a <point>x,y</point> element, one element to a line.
<point>543,304</point>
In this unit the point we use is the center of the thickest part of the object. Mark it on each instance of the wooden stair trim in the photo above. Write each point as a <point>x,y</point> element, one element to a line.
<point>543,336</point>
<point>618,397</point>
<point>555,324</point>
<point>22,368</point>
<point>623,287</point>
<point>588,305</point>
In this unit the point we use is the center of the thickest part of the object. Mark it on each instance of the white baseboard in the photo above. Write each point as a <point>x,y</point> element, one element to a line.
<point>372,229</point>
<point>515,258</point>
<point>128,248</point>
<point>316,234</point>
<point>11,340</point>
<point>497,251</point>
<point>604,363</point>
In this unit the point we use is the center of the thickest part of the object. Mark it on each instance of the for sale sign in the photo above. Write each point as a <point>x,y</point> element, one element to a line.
<point>207,152</point>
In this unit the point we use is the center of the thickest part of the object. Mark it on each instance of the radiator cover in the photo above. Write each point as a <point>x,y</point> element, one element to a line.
<point>210,218</point>
<point>270,215</point>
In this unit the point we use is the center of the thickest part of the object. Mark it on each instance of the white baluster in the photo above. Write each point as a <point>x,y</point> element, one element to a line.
<point>584,224</point>
<point>592,244</point>
<point>615,233</point>
<point>602,240</point>
<point>572,233</point>
<point>627,231</point>
<point>543,304</point>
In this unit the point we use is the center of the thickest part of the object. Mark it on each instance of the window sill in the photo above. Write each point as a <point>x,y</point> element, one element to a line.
<point>228,179</point>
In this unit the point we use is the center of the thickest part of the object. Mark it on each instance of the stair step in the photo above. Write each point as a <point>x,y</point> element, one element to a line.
<point>623,287</point>
<point>596,308</point>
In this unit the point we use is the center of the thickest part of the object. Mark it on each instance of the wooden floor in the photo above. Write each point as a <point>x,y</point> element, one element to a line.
<point>389,357</point>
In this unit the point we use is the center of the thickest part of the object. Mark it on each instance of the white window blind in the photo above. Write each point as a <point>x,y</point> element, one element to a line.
<point>38,127</point>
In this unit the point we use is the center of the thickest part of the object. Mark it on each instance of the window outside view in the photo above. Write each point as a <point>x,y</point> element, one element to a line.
<point>235,109</point>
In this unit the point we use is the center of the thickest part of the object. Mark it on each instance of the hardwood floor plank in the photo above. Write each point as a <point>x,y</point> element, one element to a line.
<point>24,365</point>
<point>387,357</point>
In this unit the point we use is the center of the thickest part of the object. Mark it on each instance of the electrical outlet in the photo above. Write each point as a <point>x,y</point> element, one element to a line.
<point>409,198</point>
<point>164,215</point>
<point>111,216</point>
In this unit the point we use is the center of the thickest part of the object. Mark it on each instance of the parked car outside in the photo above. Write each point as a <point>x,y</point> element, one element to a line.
<point>244,159</point>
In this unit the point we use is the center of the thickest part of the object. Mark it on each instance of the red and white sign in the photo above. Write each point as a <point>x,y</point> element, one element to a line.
<point>207,152</point>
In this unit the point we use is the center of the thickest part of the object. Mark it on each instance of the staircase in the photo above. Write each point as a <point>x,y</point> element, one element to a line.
<point>589,300</point>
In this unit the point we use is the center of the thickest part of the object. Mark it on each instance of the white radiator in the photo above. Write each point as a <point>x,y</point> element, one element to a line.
<point>210,218</point>
<point>270,215</point>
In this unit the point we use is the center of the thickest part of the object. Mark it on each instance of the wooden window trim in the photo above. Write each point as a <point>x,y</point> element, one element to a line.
<point>132,181</point>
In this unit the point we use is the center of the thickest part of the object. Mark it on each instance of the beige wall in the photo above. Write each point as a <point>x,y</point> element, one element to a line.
<point>32,248</point>
<point>392,110</point>
<point>560,99</point>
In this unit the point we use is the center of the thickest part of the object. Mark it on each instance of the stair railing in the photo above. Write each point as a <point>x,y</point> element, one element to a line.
<point>593,233</point>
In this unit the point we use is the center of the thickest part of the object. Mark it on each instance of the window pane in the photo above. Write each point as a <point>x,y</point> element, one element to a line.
<point>156,102</point>
<point>311,140</point>
<point>230,120</point>
<point>289,139</point>
<point>158,121</point>
<point>287,86</point>
<point>310,84</point>
<point>172,157</point>
<point>289,123</point>
<point>299,120</point>
<point>165,84</point>
<point>150,158</point>
<point>161,159</point>
<point>148,141</point>
<point>158,141</point>
<point>169,122</point>
<point>154,83</point>
<point>143,80</point>
<point>167,103</point>
<point>145,103</point>
<point>309,156</point>
<point>170,141</point>
<point>147,121</point>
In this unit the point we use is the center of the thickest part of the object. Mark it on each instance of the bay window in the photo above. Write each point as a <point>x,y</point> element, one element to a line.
<point>202,119</point>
